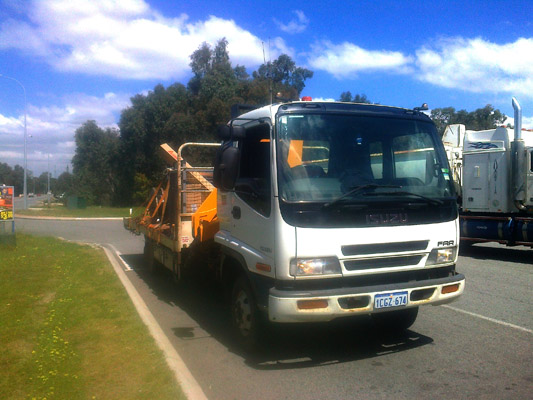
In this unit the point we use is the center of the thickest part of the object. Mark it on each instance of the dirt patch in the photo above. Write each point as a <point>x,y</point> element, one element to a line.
<point>47,298</point>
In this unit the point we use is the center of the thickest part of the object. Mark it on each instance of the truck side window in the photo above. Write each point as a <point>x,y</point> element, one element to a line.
<point>253,183</point>
<point>411,153</point>
<point>376,159</point>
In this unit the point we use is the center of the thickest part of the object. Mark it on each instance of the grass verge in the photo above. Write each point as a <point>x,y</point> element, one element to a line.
<point>68,330</point>
<point>58,210</point>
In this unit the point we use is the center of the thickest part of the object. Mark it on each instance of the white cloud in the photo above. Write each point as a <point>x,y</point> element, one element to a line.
<point>51,129</point>
<point>477,65</point>
<point>347,59</point>
<point>125,39</point>
<point>328,99</point>
<point>20,35</point>
<point>5,155</point>
<point>473,65</point>
<point>11,123</point>
<point>527,122</point>
<point>297,25</point>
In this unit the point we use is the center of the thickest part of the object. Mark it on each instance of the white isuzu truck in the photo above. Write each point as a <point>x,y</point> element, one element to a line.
<point>321,211</point>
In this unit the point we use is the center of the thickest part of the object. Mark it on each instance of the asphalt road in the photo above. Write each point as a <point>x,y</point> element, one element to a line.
<point>478,347</point>
<point>19,201</point>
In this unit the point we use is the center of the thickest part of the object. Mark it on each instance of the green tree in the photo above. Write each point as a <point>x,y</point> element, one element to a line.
<point>12,177</point>
<point>143,127</point>
<point>179,114</point>
<point>5,174</point>
<point>64,185</point>
<point>483,118</point>
<point>213,74</point>
<point>286,78</point>
<point>240,73</point>
<point>201,60</point>
<point>142,186</point>
<point>346,97</point>
<point>443,117</point>
<point>42,183</point>
<point>94,163</point>
<point>18,178</point>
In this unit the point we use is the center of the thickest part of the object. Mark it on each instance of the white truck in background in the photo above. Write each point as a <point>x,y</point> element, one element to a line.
<point>493,175</point>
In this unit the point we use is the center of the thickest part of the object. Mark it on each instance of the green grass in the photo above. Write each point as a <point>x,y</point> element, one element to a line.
<point>68,330</point>
<point>57,210</point>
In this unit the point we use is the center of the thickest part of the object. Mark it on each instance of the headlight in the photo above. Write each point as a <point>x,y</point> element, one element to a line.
<point>442,256</point>
<point>315,266</point>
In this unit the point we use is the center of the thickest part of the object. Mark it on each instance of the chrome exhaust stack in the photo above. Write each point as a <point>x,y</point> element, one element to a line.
<point>517,119</point>
<point>518,154</point>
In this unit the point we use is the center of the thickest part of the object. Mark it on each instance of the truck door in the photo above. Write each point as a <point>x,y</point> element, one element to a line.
<point>476,181</point>
<point>250,220</point>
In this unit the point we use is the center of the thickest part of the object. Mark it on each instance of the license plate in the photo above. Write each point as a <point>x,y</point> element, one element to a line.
<point>387,300</point>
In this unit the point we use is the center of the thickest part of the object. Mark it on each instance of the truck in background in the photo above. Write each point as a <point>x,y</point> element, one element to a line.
<point>493,175</point>
<point>314,211</point>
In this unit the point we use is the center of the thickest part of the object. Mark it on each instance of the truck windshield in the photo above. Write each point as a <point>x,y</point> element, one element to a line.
<point>324,157</point>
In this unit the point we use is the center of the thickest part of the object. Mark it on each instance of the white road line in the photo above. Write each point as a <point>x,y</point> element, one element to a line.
<point>497,321</point>
<point>119,255</point>
<point>189,385</point>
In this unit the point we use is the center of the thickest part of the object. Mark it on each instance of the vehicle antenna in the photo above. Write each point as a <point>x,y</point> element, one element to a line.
<point>269,65</point>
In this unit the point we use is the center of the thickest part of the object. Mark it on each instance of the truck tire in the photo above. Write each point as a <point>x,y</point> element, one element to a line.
<point>244,314</point>
<point>150,263</point>
<point>395,321</point>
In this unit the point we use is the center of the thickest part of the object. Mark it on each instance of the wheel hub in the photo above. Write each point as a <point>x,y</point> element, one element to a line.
<point>243,313</point>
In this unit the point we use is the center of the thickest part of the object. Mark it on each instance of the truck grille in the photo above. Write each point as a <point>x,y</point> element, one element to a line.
<point>355,265</point>
<point>377,248</point>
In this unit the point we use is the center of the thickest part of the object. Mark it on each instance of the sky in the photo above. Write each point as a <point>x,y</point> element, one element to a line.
<point>78,60</point>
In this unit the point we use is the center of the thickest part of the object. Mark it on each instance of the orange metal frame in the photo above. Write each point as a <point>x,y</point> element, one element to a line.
<point>203,219</point>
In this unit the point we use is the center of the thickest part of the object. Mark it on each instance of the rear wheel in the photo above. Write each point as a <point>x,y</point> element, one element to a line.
<point>244,314</point>
<point>395,321</point>
<point>150,262</point>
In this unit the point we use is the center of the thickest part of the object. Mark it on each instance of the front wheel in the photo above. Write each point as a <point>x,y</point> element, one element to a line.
<point>395,321</point>
<point>244,314</point>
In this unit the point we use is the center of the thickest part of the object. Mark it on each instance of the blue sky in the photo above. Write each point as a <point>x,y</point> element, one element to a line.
<point>80,60</point>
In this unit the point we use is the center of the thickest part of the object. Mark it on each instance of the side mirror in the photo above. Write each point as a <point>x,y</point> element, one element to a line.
<point>226,167</point>
<point>233,132</point>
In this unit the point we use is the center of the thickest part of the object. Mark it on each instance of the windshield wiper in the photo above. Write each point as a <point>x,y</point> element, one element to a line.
<point>435,202</point>
<point>356,190</point>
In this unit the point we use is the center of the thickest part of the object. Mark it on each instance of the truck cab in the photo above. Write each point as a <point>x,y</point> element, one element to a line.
<point>327,210</point>
<point>493,174</point>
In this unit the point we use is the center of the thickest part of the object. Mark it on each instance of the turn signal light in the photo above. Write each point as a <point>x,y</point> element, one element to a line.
<point>312,304</point>
<point>450,288</point>
<point>263,267</point>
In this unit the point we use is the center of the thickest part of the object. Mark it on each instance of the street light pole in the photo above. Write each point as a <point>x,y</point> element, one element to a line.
<point>25,139</point>
<point>48,176</point>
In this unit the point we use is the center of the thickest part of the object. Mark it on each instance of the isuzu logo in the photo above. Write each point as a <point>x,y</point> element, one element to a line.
<point>386,219</point>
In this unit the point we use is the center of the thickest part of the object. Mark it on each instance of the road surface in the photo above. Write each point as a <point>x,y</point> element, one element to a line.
<point>477,347</point>
<point>19,201</point>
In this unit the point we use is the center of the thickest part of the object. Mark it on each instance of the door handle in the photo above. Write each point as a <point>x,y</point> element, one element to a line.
<point>236,212</point>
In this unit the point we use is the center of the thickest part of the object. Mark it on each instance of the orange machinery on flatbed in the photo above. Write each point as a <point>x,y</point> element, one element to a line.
<point>181,213</point>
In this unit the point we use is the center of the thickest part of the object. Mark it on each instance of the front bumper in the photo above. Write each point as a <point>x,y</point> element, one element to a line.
<point>283,304</point>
